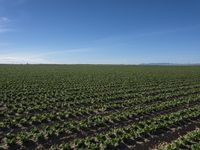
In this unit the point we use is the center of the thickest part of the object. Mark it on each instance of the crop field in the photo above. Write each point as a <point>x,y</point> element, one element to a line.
<point>99,107</point>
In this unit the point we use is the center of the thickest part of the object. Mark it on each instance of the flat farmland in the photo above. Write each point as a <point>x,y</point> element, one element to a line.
<point>99,107</point>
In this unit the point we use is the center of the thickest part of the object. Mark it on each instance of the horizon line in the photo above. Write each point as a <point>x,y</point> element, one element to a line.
<point>138,64</point>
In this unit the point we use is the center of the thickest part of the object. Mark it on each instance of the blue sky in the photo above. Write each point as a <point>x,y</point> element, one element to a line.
<point>100,31</point>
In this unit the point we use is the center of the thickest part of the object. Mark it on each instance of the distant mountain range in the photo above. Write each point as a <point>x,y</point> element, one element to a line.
<point>169,64</point>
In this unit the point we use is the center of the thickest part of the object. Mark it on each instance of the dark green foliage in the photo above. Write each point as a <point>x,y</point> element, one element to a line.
<point>95,106</point>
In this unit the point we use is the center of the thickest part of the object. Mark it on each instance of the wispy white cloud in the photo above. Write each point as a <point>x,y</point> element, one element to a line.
<point>4,25</point>
<point>38,57</point>
<point>3,30</point>
<point>4,19</point>
<point>22,59</point>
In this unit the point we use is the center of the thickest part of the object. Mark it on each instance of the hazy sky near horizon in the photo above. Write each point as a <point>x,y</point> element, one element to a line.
<point>100,31</point>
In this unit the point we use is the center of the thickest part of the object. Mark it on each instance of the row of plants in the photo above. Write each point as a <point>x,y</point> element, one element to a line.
<point>21,104</point>
<point>117,136</point>
<point>189,141</point>
<point>68,128</point>
<point>128,106</point>
<point>71,106</point>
